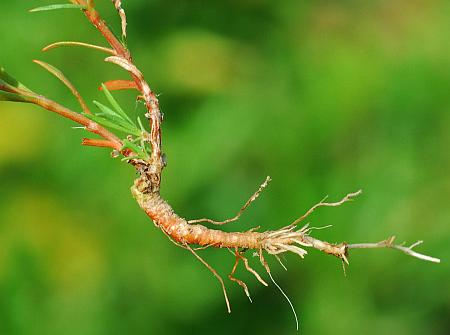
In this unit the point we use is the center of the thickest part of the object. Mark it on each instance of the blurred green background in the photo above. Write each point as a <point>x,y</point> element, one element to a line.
<point>326,97</point>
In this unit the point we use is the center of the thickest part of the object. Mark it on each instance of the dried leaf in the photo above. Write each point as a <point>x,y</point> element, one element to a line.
<point>123,17</point>
<point>116,85</point>
<point>79,44</point>
<point>58,74</point>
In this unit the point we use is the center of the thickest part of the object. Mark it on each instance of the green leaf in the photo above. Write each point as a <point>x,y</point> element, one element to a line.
<point>7,78</point>
<point>57,6</point>
<point>140,124</point>
<point>115,104</point>
<point>106,110</point>
<point>10,93</point>
<point>140,152</point>
<point>130,145</point>
<point>7,96</point>
<point>112,116</point>
<point>108,123</point>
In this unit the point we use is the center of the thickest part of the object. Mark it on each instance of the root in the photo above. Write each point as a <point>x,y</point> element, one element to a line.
<point>238,256</point>
<point>243,208</point>
<point>348,197</point>
<point>251,270</point>
<point>287,298</point>
<point>289,239</point>
<point>266,266</point>
<point>214,272</point>
<point>389,243</point>
<point>238,281</point>
<point>286,239</point>
<point>281,263</point>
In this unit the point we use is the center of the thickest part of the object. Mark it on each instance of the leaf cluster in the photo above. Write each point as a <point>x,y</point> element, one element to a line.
<point>111,116</point>
<point>114,117</point>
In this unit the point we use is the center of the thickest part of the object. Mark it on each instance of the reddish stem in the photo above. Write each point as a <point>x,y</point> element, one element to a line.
<point>53,106</point>
<point>91,126</point>
<point>151,101</point>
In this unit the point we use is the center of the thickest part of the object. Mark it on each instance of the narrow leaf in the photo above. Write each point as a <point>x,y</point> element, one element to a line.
<point>58,74</point>
<point>115,104</point>
<point>130,145</point>
<point>123,17</point>
<point>109,124</point>
<point>96,142</point>
<point>111,115</point>
<point>7,96</point>
<point>124,64</point>
<point>106,110</point>
<point>141,125</point>
<point>136,149</point>
<point>57,6</point>
<point>79,44</point>
<point>115,85</point>
<point>7,78</point>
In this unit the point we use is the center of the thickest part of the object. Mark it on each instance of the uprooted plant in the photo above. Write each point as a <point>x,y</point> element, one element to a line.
<point>141,148</point>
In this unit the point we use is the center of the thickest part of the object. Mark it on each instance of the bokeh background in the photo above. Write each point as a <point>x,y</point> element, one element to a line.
<point>326,97</point>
